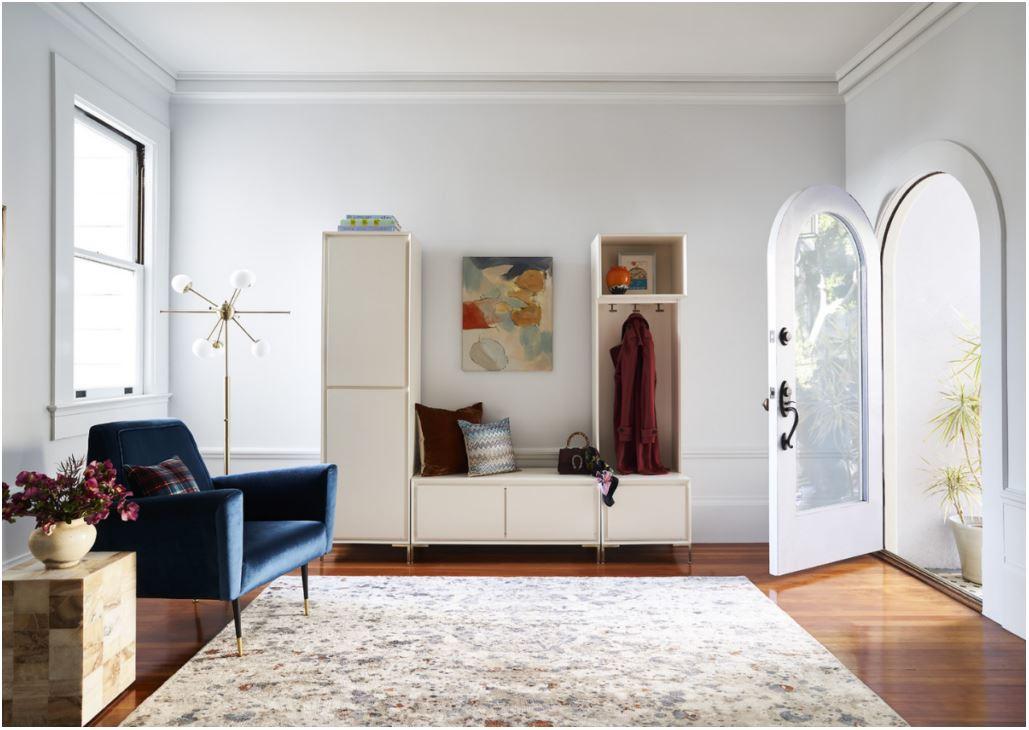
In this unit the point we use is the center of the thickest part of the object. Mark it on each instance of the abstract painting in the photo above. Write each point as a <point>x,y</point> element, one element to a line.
<point>507,313</point>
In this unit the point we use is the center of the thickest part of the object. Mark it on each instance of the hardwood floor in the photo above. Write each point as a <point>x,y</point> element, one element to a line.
<point>935,661</point>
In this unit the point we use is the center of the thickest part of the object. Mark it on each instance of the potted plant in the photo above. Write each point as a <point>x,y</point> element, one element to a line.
<point>959,486</point>
<point>67,507</point>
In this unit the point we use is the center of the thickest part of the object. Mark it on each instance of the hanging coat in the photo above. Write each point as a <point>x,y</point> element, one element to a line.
<point>635,417</point>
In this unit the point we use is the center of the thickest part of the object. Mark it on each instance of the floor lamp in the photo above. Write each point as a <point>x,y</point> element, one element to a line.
<point>217,339</point>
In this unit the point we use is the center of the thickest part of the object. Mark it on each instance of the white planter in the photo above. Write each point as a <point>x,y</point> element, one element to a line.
<point>969,541</point>
<point>65,546</point>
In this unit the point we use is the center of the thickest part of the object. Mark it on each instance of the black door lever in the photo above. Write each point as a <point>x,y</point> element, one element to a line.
<point>786,406</point>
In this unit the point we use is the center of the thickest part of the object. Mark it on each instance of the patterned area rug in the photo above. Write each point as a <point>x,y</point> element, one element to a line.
<point>515,651</point>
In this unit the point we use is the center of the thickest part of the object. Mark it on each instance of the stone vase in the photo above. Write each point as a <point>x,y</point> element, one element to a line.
<point>65,546</point>
<point>969,541</point>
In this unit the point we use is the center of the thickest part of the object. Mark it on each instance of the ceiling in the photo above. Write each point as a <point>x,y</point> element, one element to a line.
<point>781,40</point>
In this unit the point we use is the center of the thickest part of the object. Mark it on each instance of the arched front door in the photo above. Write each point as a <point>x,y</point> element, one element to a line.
<point>825,382</point>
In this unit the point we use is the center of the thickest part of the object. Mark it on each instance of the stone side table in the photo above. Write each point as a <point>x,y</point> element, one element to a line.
<point>69,638</point>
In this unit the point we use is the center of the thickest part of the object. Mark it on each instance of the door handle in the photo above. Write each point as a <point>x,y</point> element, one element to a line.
<point>786,407</point>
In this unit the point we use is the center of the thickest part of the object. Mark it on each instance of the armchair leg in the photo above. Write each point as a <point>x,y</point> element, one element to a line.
<point>239,626</point>
<point>303,579</point>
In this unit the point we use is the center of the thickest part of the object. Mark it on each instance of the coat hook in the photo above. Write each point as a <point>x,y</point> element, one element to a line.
<point>611,308</point>
<point>636,307</point>
<point>660,308</point>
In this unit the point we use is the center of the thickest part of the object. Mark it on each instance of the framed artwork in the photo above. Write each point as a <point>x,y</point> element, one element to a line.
<point>507,313</point>
<point>641,272</point>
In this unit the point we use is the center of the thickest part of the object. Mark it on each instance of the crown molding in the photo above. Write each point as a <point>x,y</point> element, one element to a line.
<point>506,88</point>
<point>85,22</point>
<point>899,40</point>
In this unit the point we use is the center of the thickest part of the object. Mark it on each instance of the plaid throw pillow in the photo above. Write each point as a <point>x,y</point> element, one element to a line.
<point>171,476</point>
<point>489,447</point>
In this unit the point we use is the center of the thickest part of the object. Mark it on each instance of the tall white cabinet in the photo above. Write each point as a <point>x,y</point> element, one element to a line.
<point>370,379</point>
<point>648,509</point>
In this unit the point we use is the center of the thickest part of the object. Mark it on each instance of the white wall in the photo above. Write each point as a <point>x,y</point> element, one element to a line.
<point>30,35</point>
<point>255,185</point>
<point>966,84</point>
<point>936,288</point>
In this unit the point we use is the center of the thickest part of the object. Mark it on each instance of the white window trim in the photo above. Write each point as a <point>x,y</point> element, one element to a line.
<point>70,416</point>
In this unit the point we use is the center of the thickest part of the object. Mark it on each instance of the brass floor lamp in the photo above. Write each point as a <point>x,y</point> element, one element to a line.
<point>217,339</point>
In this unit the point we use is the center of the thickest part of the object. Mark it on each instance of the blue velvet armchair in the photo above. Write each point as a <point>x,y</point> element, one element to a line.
<point>239,532</point>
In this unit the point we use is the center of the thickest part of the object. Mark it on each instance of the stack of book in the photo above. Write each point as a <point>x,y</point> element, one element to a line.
<point>364,222</point>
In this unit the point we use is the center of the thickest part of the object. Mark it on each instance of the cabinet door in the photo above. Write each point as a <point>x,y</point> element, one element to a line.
<point>648,513</point>
<point>364,436</point>
<point>365,300</point>
<point>459,512</point>
<point>551,512</point>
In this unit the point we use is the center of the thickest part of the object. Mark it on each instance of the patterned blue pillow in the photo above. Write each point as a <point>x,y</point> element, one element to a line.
<point>489,447</point>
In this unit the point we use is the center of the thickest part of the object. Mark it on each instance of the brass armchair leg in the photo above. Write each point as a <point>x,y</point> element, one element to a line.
<point>239,626</point>
<point>303,579</point>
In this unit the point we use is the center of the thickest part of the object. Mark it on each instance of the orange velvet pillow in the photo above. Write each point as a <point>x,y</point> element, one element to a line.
<point>441,440</point>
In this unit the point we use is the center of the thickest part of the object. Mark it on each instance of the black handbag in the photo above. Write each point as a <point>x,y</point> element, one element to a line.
<point>574,460</point>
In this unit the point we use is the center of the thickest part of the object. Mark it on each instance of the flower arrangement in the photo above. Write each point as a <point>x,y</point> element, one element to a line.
<point>79,491</point>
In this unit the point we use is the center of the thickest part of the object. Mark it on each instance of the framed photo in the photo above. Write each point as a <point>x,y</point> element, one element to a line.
<point>642,271</point>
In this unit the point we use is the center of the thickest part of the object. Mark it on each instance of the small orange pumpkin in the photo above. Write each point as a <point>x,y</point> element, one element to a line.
<point>618,279</point>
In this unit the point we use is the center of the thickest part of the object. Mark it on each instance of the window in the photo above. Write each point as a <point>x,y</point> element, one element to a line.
<point>107,357</point>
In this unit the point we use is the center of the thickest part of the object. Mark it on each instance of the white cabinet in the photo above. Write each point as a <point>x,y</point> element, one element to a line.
<point>648,509</point>
<point>370,378</point>
<point>531,506</point>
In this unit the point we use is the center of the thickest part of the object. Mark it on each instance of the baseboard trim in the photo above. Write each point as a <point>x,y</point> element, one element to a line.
<point>16,559</point>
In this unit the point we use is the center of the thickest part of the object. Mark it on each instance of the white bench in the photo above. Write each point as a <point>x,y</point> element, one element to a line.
<point>538,506</point>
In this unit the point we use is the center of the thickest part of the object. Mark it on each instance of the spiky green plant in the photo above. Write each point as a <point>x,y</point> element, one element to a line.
<point>960,422</point>
<point>955,488</point>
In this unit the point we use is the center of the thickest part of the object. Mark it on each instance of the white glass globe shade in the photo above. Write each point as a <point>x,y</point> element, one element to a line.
<point>261,348</point>
<point>181,282</point>
<point>242,279</point>
<point>203,349</point>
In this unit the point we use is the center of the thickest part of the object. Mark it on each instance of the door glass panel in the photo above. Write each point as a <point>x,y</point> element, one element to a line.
<point>828,309</point>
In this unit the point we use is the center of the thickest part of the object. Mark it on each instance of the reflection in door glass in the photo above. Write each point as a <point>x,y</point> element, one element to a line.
<point>828,310</point>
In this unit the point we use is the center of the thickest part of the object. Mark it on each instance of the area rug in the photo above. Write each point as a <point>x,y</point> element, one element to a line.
<point>515,651</point>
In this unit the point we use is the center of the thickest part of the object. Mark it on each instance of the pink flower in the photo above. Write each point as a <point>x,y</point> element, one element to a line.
<point>129,511</point>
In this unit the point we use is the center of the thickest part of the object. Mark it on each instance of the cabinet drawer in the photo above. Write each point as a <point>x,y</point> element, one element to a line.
<point>552,513</point>
<point>459,512</point>
<point>648,513</point>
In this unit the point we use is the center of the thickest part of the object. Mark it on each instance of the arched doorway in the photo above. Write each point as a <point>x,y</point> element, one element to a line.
<point>820,537</point>
<point>932,415</point>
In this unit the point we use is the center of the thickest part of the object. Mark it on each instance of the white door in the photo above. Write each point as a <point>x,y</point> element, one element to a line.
<point>825,382</point>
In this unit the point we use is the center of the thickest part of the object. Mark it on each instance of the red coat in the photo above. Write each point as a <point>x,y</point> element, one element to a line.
<point>636,443</point>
